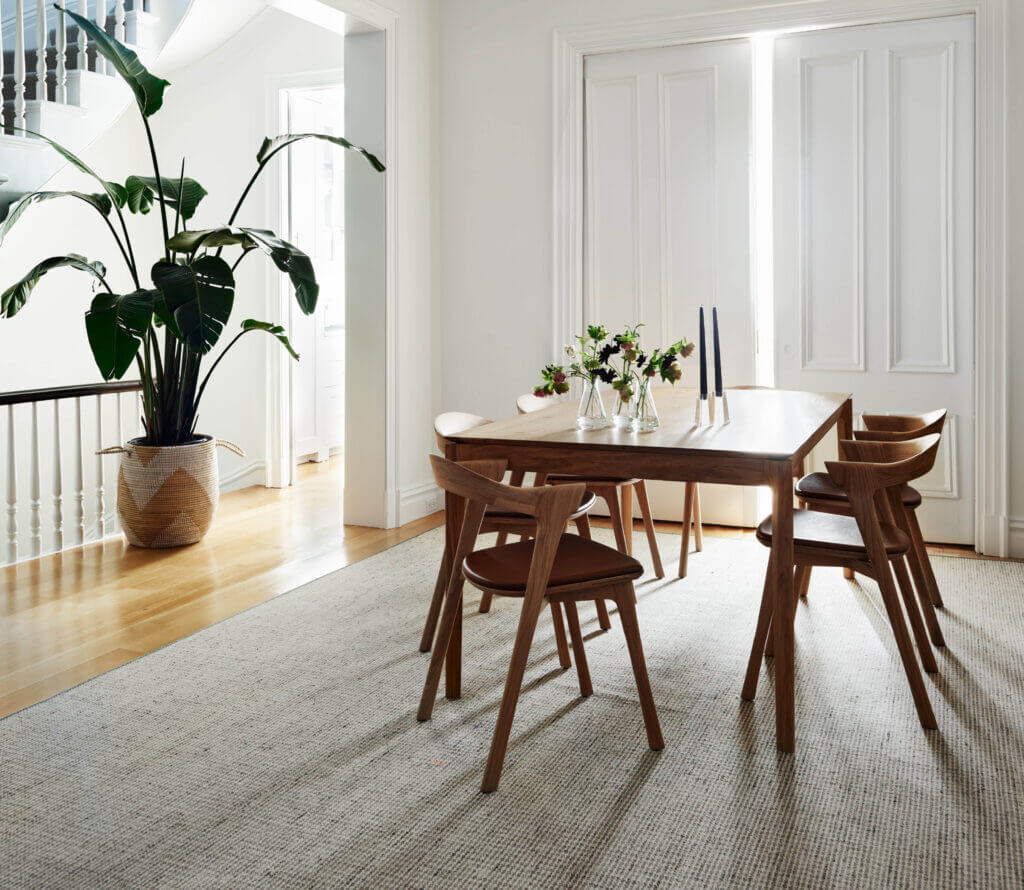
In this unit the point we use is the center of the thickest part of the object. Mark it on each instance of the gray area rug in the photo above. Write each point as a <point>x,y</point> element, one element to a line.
<point>280,748</point>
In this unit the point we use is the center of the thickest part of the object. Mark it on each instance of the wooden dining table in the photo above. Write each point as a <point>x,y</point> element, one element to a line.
<point>769,435</point>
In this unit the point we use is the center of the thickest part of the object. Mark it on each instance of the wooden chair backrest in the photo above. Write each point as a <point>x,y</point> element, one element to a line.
<point>477,481</point>
<point>451,423</point>
<point>899,427</point>
<point>872,466</point>
<point>527,403</point>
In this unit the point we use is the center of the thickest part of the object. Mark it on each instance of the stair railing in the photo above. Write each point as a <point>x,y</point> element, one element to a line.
<point>26,419</point>
<point>52,40</point>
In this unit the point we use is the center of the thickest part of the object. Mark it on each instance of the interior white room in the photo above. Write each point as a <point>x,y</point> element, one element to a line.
<point>706,309</point>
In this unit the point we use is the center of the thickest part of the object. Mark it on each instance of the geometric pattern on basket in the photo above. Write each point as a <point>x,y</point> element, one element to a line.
<point>167,497</point>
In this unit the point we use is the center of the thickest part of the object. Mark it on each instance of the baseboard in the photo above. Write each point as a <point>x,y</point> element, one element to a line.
<point>1017,537</point>
<point>252,473</point>
<point>417,501</point>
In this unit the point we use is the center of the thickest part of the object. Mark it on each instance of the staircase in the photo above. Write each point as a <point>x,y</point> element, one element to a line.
<point>55,83</point>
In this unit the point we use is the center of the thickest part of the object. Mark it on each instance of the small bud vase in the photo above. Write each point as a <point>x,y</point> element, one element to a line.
<point>622,412</point>
<point>591,414</point>
<point>645,414</point>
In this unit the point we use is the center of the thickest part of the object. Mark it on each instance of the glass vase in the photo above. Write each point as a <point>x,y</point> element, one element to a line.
<point>645,413</point>
<point>622,412</point>
<point>591,414</point>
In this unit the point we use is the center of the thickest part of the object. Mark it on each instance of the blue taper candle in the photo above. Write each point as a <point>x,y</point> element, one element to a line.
<point>718,351</point>
<point>702,360</point>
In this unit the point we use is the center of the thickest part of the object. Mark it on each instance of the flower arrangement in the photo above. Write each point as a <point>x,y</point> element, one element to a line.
<point>621,362</point>
<point>585,364</point>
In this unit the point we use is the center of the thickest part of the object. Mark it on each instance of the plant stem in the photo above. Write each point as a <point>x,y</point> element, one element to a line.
<point>159,187</point>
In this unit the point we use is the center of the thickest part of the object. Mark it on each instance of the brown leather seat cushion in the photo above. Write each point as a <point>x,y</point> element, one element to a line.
<point>827,530</point>
<point>819,486</point>
<point>563,478</point>
<point>586,503</point>
<point>578,560</point>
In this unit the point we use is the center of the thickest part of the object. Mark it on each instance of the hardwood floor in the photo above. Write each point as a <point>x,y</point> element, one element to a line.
<point>69,617</point>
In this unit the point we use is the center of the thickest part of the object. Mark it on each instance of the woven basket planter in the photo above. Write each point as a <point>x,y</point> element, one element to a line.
<point>167,495</point>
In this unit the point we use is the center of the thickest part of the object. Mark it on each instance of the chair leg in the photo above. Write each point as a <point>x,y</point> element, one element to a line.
<point>582,669</point>
<point>626,493</point>
<point>684,545</point>
<point>501,540</point>
<point>652,538</point>
<point>802,580</point>
<point>924,646</point>
<point>485,602</point>
<point>611,498</point>
<point>627,613</point>
<point>761,637</point>
<point>451,612</point>
<point>510,697</point>
<point>560,641</point>
<point>924,598</point>
<point>905,646</point>
<point>917,543</point>
<point>430,626</point>
<point>698,520</point>
<point>583,527</point>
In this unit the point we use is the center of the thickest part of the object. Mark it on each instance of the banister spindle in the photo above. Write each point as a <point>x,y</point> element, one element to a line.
<point>60,89</point>
<point>12,490</point>
<point>83,38</point>
<point>79,476</point>
<point>101,23</point>
<point>119,19</point>
<point>58,480</point>
<point>41,34</point>
<point>101,509</point>
<point>34,486</point>
<point>19,66</point>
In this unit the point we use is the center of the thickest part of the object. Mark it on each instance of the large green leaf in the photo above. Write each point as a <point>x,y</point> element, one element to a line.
<point>272,146</point>
<point>287,257</point>
<point>198,297</point>
<point>100,202</point>
<point>15,297</point>
<point>116,325</point>
<point>115,192</point>
<point>148,89</point>
<point>140,193</point>
<point>275,330</point>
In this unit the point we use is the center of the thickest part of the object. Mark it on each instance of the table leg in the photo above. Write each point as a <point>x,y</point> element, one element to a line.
<point>782,624</point>
<point>454,510</point>
<point>844,430</point>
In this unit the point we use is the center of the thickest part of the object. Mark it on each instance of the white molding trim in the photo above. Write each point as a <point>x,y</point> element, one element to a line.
<point>991,379</point>
<point>336,15</point>
<point>417,501</point>
<point>805,299</point>
<point>252,473</point>
<point>1016,536</point>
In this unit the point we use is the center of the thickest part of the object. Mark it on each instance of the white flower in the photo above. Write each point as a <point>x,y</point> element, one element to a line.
<point>570,351</point>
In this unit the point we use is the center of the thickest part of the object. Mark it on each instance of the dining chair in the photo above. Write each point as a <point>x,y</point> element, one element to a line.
<point>872,476</point>
<point>503,522</point>
<point>612,489</point>
<point>818,492</point>
<point>552,567</point>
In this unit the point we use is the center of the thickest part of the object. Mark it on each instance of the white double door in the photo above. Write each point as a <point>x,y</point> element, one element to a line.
<point>667,214</point>
<point>871,238</point>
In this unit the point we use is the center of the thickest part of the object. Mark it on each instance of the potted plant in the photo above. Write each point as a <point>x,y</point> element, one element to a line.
<point>167,326</point>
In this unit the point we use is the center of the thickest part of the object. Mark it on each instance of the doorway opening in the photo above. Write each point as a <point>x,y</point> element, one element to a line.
<point>314,210</point>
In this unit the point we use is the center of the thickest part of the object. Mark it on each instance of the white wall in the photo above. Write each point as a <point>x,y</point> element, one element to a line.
<point>496,196</point>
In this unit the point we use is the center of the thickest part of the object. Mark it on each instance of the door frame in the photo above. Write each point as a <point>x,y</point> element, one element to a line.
<point>991,333</point>
<point>338,16</point>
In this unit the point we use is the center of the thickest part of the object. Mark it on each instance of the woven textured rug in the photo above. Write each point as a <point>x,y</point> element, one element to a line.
<point>280,748</point>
